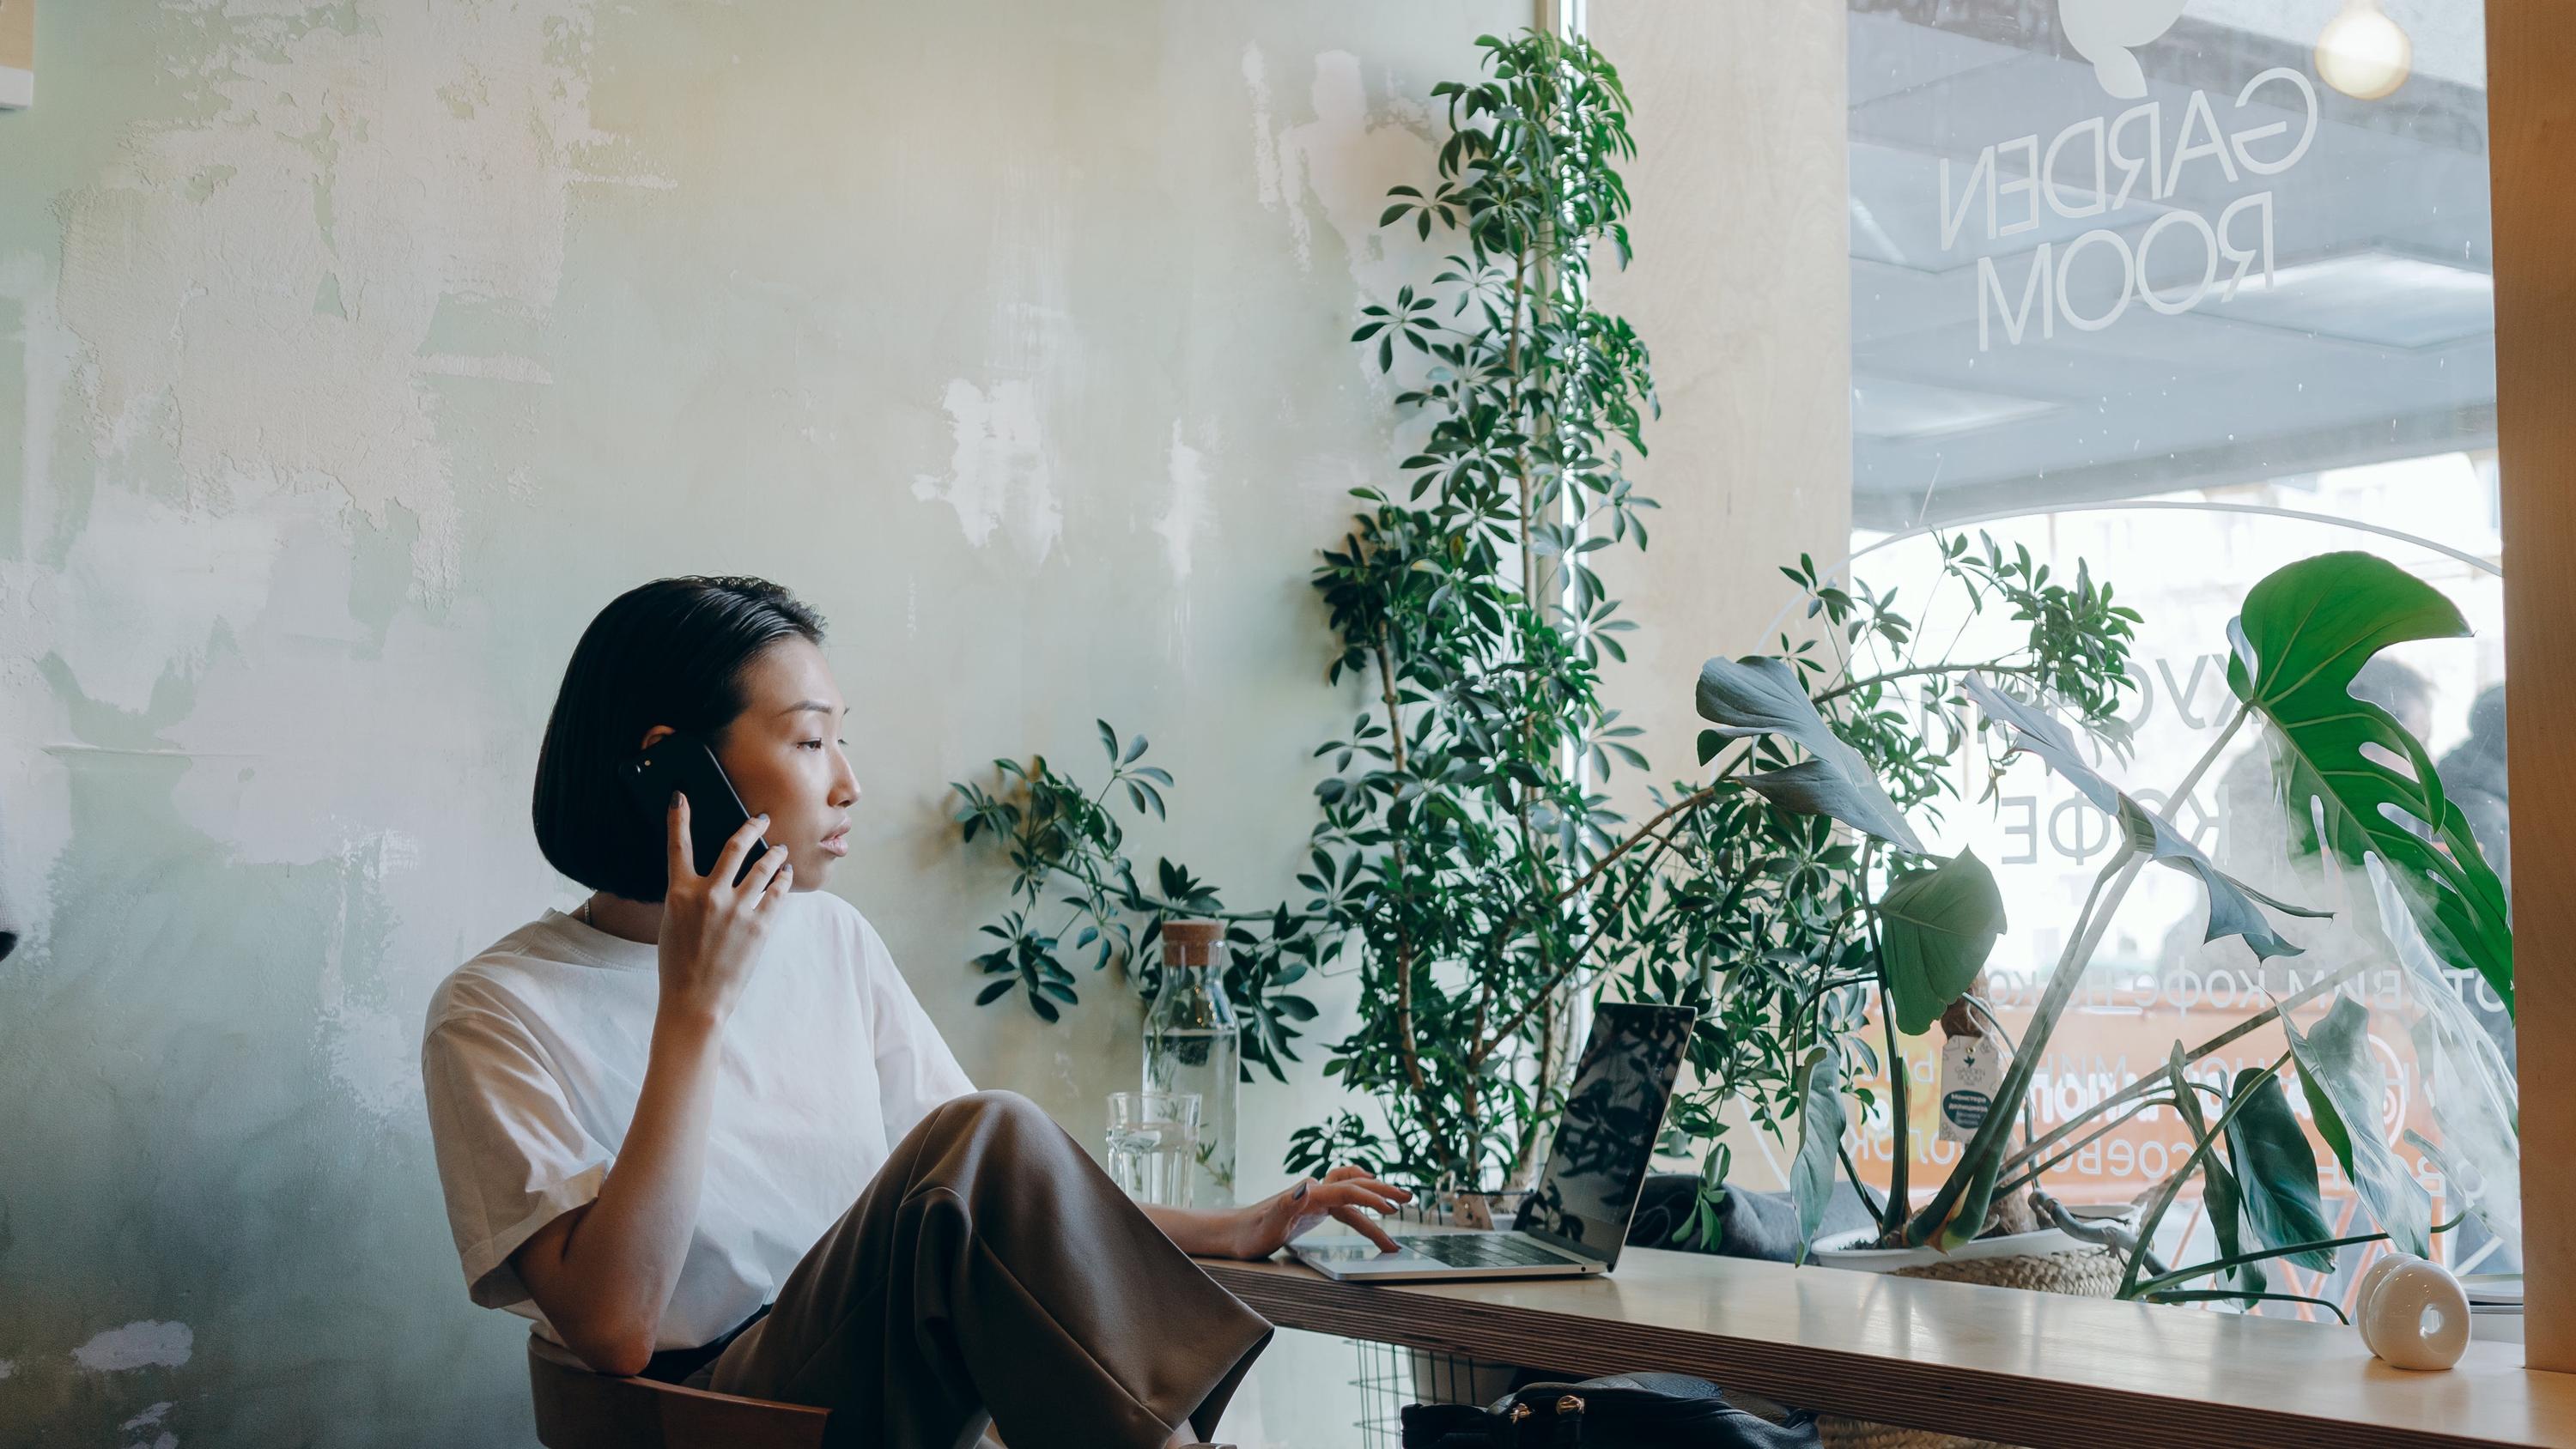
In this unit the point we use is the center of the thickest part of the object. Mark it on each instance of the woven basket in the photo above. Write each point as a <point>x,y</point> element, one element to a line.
<point>2088,1274</point>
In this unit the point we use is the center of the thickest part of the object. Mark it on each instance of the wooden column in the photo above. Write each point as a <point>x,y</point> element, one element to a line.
<point>2531,117</point>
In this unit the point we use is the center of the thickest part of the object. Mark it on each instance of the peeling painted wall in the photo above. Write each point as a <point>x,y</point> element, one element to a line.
<point>1742,286</point>
<point>353,354</point>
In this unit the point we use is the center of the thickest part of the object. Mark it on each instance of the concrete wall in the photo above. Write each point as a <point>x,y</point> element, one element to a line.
<point>352,354</point>
<point>1742,288</point>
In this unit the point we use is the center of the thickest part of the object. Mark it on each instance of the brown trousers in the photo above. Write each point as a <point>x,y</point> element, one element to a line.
<point>993,1271</point>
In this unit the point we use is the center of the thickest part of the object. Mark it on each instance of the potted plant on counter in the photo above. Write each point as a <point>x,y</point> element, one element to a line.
<point>2372,804</point>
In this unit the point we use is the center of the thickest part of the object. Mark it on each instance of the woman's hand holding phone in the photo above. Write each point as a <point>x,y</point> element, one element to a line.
<point>712,930</point>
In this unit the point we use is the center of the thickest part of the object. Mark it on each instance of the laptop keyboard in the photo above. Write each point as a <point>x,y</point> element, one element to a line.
<point>1483,1250</point>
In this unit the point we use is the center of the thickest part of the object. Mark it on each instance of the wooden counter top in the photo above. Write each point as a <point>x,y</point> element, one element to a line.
<point>2028,1368</point>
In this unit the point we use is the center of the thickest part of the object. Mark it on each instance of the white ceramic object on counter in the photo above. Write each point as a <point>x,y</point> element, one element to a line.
<point>2412,1313</point>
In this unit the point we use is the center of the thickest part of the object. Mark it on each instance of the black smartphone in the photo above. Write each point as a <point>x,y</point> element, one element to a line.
<point>682,762</point>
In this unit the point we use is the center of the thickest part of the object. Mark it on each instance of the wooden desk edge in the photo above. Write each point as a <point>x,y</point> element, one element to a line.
<point>2001,1403</point>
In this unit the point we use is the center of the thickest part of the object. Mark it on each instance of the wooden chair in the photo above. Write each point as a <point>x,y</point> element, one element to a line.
<point>580,1409</point>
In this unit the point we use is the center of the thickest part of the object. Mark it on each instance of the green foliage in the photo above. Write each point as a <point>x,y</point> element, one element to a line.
<point>1064,839</point>
<point>2232,910</point>
<point>1819,1091</point>
<point>2223,1195</point>
<point>2279,1169</point>
<point>2315,620</point>
<point>1466,840</point>
<point>1778,925</point>
<point>1936,928</point>
<point>1466,856</point>
<point>2306,630</point>
<point>1464,805</point>
<point>1754,698</point>
<point>2345,1078</point>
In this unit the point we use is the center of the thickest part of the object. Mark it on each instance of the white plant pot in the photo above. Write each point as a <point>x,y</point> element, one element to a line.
<point>1843,1250</point>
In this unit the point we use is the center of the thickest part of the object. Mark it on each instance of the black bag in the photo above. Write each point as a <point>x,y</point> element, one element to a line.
<point>1622,1411</point>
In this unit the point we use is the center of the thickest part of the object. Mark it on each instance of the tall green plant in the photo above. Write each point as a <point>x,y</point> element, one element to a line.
<point>1077,900</point>
<point>1466,855</point>
<point>2304,633</point>
<point>1465,804</point>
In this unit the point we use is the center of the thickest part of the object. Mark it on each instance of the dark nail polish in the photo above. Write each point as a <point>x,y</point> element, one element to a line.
<point>675,799</point>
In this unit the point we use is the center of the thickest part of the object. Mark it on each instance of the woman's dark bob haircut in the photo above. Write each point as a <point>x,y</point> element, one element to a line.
<point>671,652</point>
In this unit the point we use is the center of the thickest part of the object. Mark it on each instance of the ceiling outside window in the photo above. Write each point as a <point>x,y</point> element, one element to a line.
<point>2358,329</point>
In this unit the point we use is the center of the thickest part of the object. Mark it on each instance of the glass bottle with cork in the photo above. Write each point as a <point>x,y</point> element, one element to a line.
<point>1191,1045</point>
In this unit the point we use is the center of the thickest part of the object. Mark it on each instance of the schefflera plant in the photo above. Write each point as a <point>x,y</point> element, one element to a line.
<point>2362,793</point>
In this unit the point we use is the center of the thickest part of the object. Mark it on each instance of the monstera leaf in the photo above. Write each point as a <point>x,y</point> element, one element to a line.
<point>2278,1169</point>
<point>2224,1194</point>
<point>1760,696</point>
<point>2306,631</point>
<point>2476,1103</point>
<point>2344,1084</point>
<point>1936,928</point>
<point>1819,1089</point>
<point>2232,911</point>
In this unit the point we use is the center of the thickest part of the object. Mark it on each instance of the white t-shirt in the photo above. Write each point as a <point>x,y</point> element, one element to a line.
<point>534,1052</point>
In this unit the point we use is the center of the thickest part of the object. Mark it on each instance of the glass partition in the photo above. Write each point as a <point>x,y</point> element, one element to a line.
<point>2187,292</point>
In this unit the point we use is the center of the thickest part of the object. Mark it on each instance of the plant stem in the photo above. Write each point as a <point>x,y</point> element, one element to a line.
<point>2012,1175</point>
<point>1512,372</point>
<point>2184,1275</point>
<point>2221,1265</point>
<point>1481,1047</point>
<point>1983,1157</point>
<point>2172,1186</point>
<point>2224,1039</point>
<point>2000,1116</point>
<point>1405,1050</point>
<point>1637,837</point>
<point>1899,1195</point>
<point>1525,1158</point>
<point>1868,1199</point>
<point>2204,1296</point>
<point>2209,757</point>
<point>1583,949</point>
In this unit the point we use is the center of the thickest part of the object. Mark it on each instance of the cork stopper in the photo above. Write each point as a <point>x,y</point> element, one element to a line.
<point>1191,943</point>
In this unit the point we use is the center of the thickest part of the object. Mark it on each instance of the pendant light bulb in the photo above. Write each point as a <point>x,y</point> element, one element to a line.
<point>2363,53</point>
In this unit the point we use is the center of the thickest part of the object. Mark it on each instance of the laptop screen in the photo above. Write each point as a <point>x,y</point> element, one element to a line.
<point>1614,1110</point>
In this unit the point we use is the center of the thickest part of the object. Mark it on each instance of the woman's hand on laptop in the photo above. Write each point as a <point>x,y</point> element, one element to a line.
<point>1346,1194</point>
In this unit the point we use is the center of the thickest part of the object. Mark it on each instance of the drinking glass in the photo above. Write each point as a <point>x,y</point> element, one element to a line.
<point>1153,1145</point>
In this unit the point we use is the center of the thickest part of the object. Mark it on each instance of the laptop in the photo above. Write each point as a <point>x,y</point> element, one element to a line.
<point>1573,1225</point>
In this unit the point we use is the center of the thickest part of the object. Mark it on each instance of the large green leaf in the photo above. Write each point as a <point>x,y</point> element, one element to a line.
<point>2224,1197</point>
<point>1936,928</point>
<point>2306,630</point>
<point>2345,1081</point>
<point>2476,1103</point>
<point>1819,1090</point>
<point>2278,1169</point>
<point>2232,910</point>
<point>1760,696</point>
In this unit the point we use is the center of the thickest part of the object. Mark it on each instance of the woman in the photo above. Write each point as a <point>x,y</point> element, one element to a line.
<point>701,1129</point>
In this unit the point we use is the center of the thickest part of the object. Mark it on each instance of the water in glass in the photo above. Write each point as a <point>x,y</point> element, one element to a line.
<point>1153,1145</point>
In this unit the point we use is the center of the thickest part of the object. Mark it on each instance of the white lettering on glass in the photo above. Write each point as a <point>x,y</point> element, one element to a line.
<point>2015,183</point>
